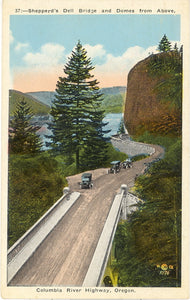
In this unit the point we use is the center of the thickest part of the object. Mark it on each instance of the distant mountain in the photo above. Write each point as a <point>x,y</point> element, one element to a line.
<point>44,97</point>
<point>37,106</point>
<point>114,90</point>
<point>47,97</point>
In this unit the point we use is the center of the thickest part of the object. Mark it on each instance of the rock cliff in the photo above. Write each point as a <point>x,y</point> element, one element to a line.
<point>143,110</point>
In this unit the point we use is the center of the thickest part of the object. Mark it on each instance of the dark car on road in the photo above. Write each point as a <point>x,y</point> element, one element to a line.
<point>115,167</point>
<point>86,181</point>
<point>127,163</point>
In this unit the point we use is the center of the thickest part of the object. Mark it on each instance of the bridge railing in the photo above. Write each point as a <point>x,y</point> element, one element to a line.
<point>101,255</point>
<point>23,249</point>
<point>20,243</point>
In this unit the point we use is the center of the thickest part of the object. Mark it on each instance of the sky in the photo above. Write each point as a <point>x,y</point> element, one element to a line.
<point>40,46</point>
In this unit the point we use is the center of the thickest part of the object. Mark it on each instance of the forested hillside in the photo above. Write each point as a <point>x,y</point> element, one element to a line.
<point>113,98</point>
<point>148,245</point>
<point>113,103</point>
<point>37,107</point>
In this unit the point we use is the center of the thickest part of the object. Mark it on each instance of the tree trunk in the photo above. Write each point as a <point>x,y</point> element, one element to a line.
<point>77,159</point>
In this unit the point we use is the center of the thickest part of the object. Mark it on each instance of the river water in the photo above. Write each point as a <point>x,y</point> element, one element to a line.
<point>113,125</point>
<point>114,121</point>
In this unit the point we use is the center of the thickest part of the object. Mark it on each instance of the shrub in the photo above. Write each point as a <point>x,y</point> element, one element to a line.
<point>139,157</point>
<point>114,154</point>
<point>35,184</point>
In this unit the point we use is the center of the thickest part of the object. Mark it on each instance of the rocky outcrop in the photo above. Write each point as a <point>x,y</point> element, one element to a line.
<point>142,108</point>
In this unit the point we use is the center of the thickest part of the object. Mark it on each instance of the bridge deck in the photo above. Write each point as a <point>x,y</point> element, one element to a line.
<point>65,255</point>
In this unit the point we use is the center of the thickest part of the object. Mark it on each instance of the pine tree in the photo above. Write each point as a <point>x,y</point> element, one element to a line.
<point>22,136</point>
<point>76,102</point>
<point>167,69</point>
<point>95,146</point>
<point>181,52</point>
<point>164,45</point>
<point>176,47</point>
<point>121,128</point>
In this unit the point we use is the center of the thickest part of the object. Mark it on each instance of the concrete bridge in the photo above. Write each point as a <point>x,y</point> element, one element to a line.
<point>37,258</point>
<point>71,243</point>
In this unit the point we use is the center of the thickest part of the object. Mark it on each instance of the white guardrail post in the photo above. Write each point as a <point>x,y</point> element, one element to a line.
<point>124,202</point>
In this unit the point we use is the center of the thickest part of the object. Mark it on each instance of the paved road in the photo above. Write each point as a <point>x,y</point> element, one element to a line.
<point>64,257</point>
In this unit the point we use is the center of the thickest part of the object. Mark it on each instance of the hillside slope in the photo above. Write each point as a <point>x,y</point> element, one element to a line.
<point>112,103</point>
<point>37,107</point>
<point>44,96</point>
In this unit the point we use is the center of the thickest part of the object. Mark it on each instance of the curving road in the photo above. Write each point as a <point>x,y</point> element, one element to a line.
<point>64,256</point>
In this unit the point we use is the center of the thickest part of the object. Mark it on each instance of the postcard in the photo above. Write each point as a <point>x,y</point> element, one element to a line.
<point>95,149</point>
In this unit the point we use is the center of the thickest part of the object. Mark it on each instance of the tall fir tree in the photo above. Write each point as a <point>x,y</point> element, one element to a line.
<point>22,136</point>
<point>164,45</point>
<point>76,103</point>
<point>167,68</point>
<point>95,145</point>
<point>121,128</point>
<point>176,48</point>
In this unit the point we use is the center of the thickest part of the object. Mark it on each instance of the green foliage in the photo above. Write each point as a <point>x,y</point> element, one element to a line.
<point>121,128</point>
<point>23,138</point>
<point>167,67</point>
<point>150,138</point>
<point>76,110</point>
<point>15,97</point>
<point>70,169</point>
<point>164,45</point>
<point>35,184</point>
<point>135,271</point>
<point>94,155</point>
<point>169,124</point>
<point>114,154</point>
<point>95,149</point>
<point>152,236</point>
<point>139,157</point>
<point>173,158</point>
<point>113,103</point>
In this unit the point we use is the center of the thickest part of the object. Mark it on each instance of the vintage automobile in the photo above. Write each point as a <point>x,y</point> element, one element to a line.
<point>115,167</point>
<point>127,163</point>
<point>86,181</point>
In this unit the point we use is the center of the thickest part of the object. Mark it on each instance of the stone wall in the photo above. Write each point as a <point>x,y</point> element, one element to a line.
<point>131,148</point>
